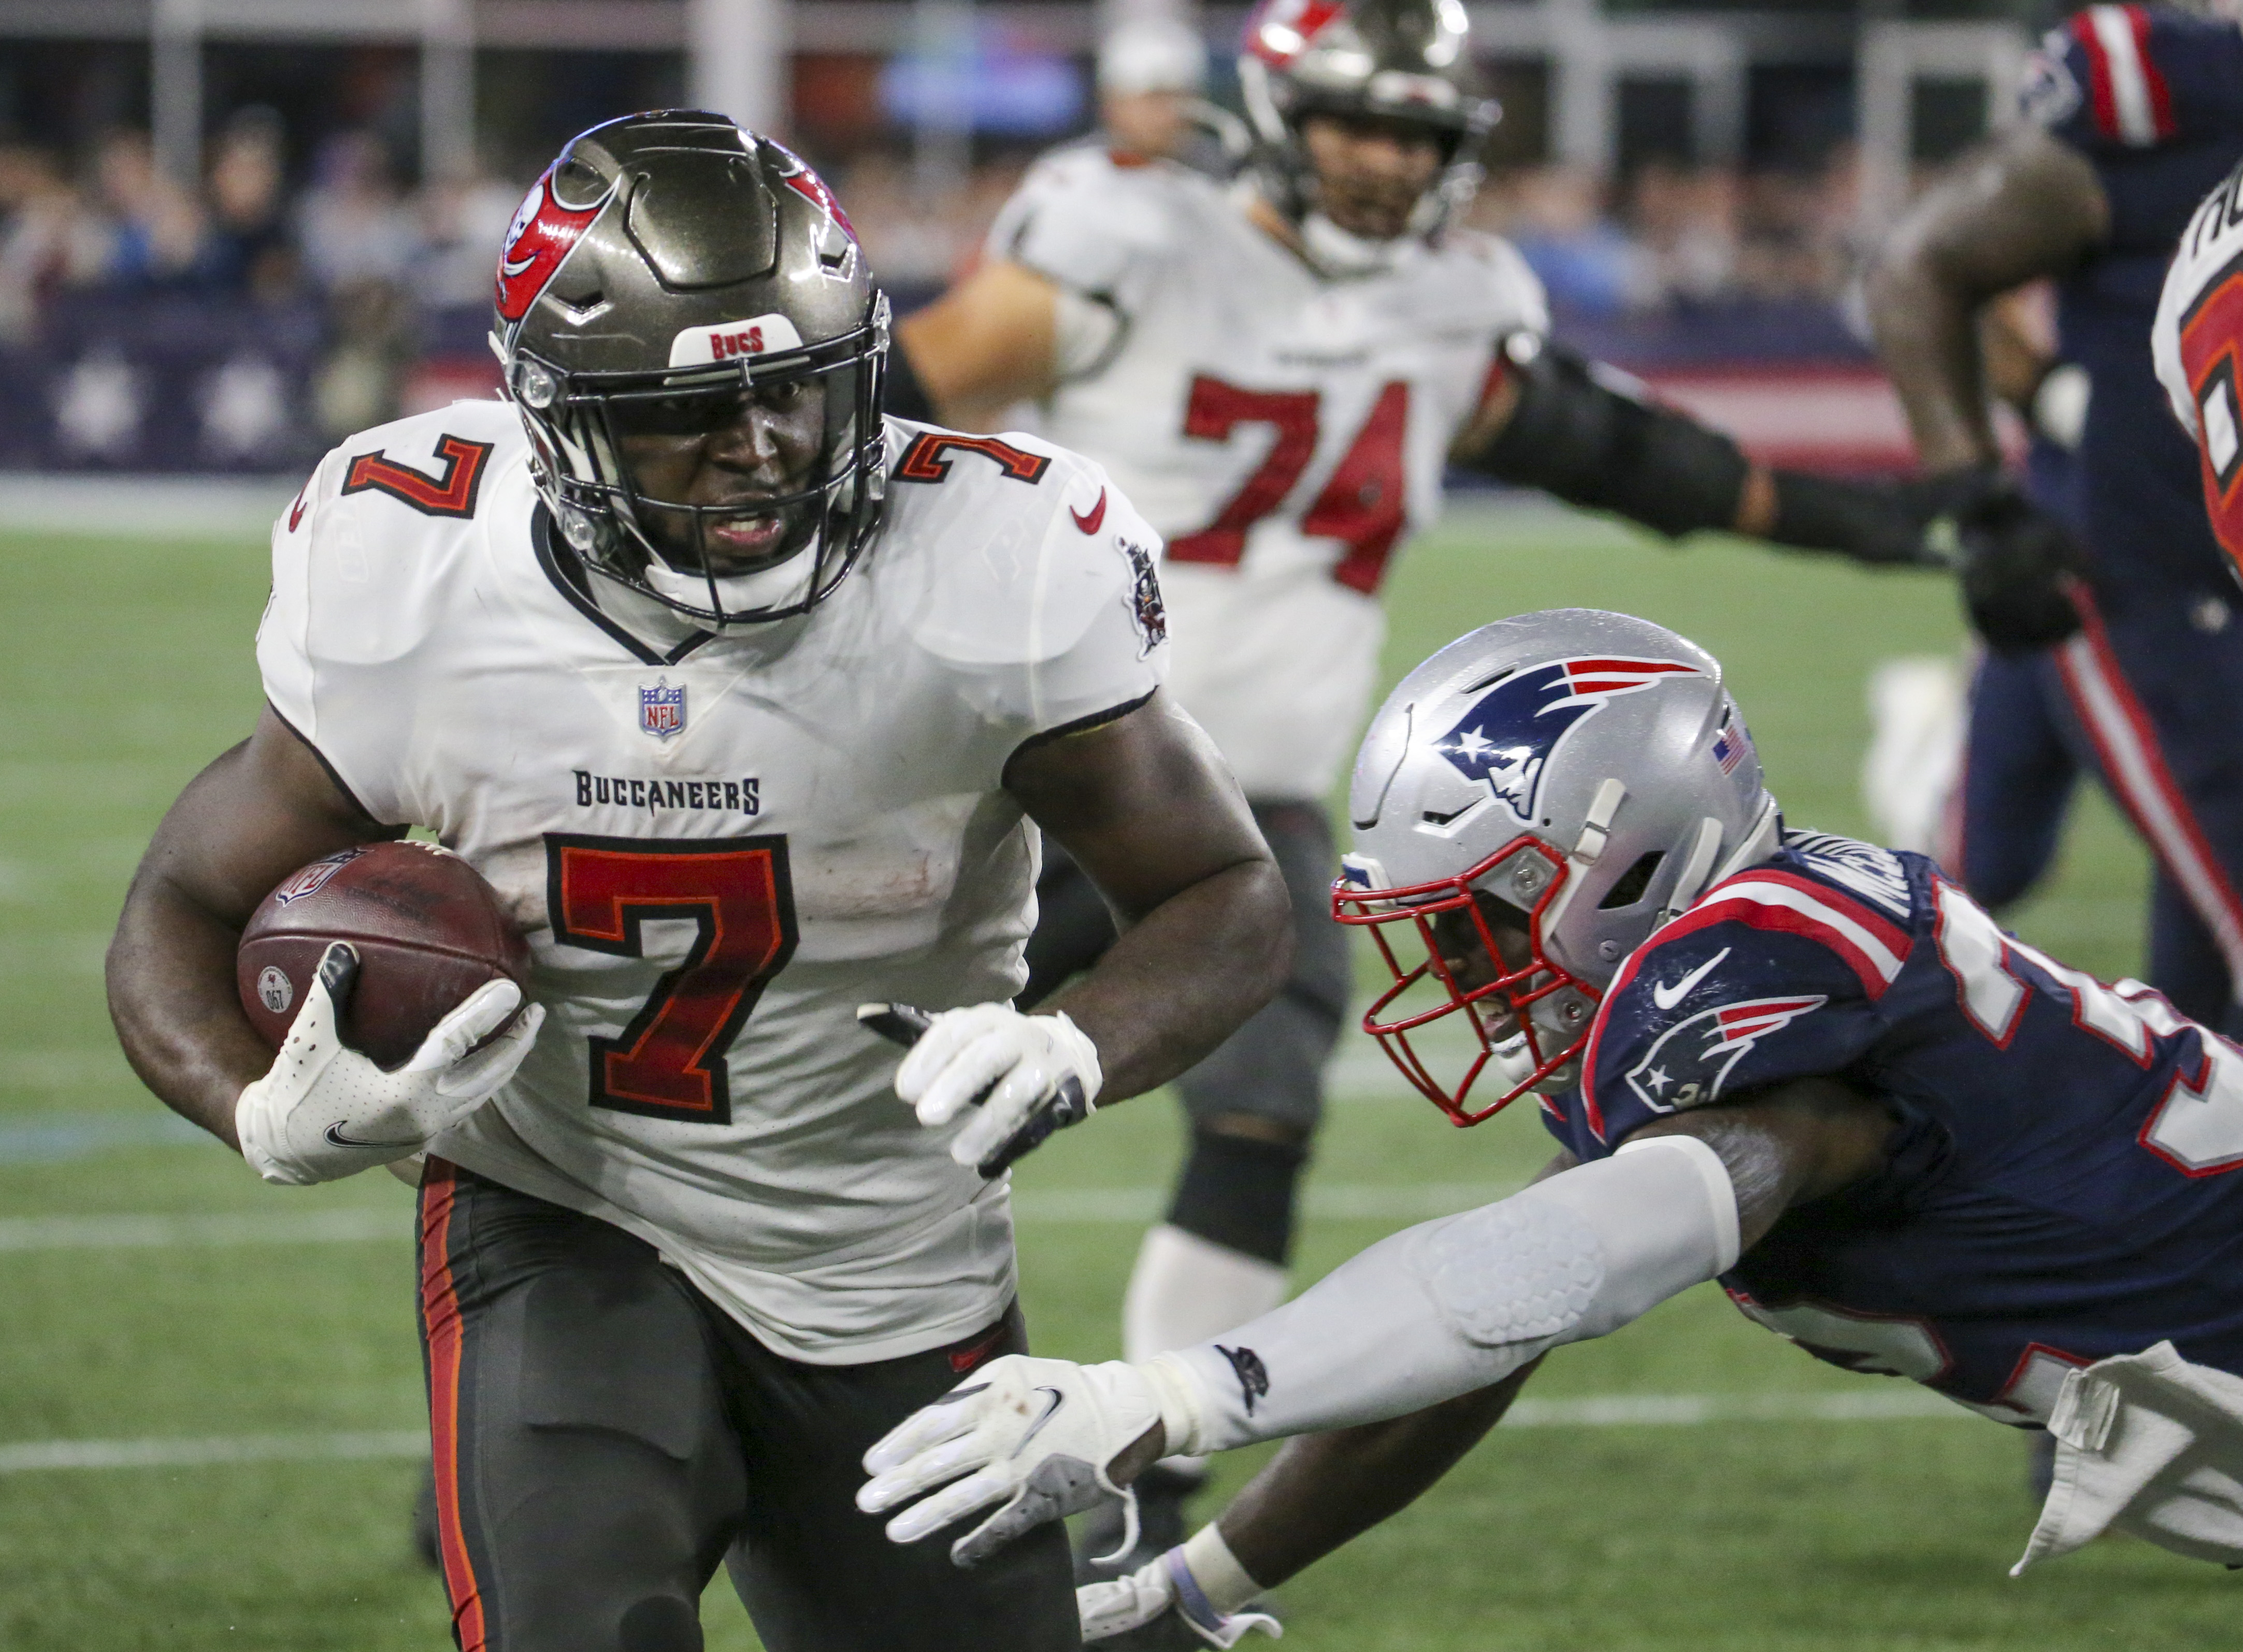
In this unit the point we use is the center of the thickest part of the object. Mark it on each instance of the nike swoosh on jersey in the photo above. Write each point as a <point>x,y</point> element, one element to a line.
<point>1036,1427</point>
<point>1089,524</point>
<point>1667,996</point>
<point>296,513</point>
<point>335,1135</point>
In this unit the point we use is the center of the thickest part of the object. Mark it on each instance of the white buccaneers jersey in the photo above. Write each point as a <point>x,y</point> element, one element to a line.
<point>718,848</point>
<point>1284,430</point>
<point>2195,342</point>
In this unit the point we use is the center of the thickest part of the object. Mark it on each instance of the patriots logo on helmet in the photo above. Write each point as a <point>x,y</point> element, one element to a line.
<point>1507,737</point>
<point>1689,1062</point>
<point>543,234</point>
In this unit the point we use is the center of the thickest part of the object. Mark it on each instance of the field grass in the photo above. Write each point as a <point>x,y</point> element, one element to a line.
<point>129,666</point>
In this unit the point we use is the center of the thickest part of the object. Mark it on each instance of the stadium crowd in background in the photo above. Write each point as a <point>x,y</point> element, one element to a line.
<point>397,273</point>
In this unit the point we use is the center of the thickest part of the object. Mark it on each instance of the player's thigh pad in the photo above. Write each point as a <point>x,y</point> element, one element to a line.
<point>592,1481</point>
<point>1273,1066</point>
<point>817,1574</point>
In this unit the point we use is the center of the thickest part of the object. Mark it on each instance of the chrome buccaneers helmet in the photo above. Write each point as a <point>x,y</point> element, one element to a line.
<point>672,276</point>
<point>1565,783</point>
<point>1406,60</point>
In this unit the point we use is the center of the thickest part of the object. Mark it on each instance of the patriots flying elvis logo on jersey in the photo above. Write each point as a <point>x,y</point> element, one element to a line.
<point>1507,737</point>
<point>1689,1062</point>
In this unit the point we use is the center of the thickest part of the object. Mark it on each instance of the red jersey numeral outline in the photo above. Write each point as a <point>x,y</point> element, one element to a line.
<point>1363,504</point>
<point>924,460</point>
<point>451,492</point>
<point>669,1063</point>
<point>2208,336</point>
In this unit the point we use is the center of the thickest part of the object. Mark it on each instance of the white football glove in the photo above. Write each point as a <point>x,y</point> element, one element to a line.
<point>325,1111</point>
<point>1165,1584</point>
<point>1036,1437</point>
<point>1028,1075</point>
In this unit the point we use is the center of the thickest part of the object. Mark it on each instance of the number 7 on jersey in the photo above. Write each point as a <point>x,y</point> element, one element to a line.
<point>669,1063</point>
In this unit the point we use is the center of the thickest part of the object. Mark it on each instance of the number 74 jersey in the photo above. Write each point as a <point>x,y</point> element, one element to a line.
<point>2066,1163</point>
<point>1284,430</point>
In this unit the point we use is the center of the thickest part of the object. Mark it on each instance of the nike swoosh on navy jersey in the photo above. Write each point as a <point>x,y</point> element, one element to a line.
<point>1667,996</point>
<point>1089,523</point>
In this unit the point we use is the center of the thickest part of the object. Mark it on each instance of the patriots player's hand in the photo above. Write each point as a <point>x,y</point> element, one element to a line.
<point>2019,563</point>
<point>1038,1438</point>
<point>325,1111</point>
<point>1872,523</point>
<point>1161,1585</point>
<point>1028,1075</point>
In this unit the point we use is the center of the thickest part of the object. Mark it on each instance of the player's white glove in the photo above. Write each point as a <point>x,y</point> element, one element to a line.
<point>325,1111</point>
<point>1029,1074</point>
<point>1166,1584</point>
<point>1036,1437</point>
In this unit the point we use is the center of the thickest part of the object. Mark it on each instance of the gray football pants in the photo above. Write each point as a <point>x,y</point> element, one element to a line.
<point>606,1437</point>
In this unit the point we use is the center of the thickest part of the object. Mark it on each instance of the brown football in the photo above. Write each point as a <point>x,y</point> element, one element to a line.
<point>428,932</point>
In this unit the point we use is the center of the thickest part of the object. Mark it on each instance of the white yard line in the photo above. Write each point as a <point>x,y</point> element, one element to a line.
<point>1606,1411</point>
<point>1120,1206</point>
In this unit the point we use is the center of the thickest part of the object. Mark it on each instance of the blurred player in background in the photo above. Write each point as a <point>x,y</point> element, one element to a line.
<point>1807,1066</point>
<point>743,698</point>
<point>1278,372</point>
<point>2123,637</point>
<point>1152,97</point>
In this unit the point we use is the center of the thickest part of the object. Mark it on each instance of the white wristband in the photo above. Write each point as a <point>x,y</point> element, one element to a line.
<point>1216,1570</point>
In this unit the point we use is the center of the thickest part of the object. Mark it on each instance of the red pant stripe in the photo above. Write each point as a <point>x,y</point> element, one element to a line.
<point>439,1320</point>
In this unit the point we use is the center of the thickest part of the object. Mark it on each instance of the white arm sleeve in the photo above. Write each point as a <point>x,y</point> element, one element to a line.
<point>1453,1306</point>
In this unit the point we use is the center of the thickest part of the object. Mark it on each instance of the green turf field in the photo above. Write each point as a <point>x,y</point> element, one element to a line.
<point>160,1307</point>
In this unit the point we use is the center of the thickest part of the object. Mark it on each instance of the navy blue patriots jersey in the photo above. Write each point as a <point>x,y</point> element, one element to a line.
<point>2059,1187</point>
<point>2152,96</point>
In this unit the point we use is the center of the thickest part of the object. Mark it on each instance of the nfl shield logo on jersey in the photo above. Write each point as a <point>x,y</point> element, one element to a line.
<point>661,709</point>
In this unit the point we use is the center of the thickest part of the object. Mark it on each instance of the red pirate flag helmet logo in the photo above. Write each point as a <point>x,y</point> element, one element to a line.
<point>542,235</point>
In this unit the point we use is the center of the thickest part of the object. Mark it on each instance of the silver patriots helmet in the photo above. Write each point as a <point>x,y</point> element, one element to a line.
<point>1408,60</point>
<point>670,276</point>
<point>1574,778</point>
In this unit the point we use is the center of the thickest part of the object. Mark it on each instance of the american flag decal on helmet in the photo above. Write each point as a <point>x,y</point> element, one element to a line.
<point>1729,748</point>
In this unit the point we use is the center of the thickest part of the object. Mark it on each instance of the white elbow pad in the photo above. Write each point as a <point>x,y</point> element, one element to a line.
<point>1455,1305</point>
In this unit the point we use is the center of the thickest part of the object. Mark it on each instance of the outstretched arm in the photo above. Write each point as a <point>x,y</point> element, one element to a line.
<point>988,342</point>
<point>1443,1310</point>
<point>1592,436</point>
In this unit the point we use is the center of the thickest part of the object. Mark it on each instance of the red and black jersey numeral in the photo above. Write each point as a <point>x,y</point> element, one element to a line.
<point>927,461</point>
<point>451,492</point>
<point>669,1063</point>
<point>2210,335</point>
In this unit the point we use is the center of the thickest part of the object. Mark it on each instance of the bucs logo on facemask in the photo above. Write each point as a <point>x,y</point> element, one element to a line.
<point>543,234</point>
<point>1508,736</point>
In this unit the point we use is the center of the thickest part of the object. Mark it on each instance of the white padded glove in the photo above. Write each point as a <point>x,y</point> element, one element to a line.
<point>1168,1583</point>
<point>325,1111</point>
<point>1035,1437</point>
<point>1028,1074</point>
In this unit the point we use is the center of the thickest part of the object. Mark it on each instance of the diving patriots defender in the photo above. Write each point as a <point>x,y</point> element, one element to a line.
<point>2133,113</point>
<point>1276,371</point>
<point>1804,1065</point>
<point>748,703</point>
